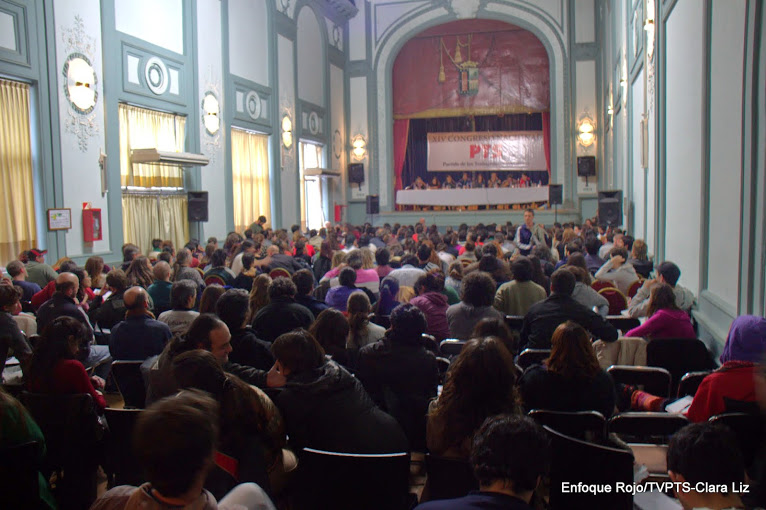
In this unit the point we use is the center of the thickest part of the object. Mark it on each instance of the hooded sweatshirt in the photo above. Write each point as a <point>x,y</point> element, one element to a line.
<point>434,307</point>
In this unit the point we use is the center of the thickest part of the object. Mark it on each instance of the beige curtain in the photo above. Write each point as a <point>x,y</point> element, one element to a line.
<point>250,173</point>
<point>173,220</point>
<point>154,217</point>
<point>142,129</point>
<point>17,209</point>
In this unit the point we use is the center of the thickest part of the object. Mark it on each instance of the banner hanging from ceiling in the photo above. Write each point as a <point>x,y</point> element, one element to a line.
<point>500,151</point>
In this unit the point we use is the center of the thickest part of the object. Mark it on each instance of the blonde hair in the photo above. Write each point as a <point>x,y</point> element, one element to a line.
<point>405,294</point>
<point>639,250</point>
<point>368,258</point>
<point>338,258</point>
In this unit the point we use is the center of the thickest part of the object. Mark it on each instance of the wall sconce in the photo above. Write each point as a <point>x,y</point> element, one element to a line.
<point>211,111</point>
<point>359,149</point>
<point>287,131</point>
<point>649,27</point>
<point>585,128</point>
<point>80,86</point>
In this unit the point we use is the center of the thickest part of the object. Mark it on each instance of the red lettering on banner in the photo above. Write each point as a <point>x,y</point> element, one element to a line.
<point>475,149</point>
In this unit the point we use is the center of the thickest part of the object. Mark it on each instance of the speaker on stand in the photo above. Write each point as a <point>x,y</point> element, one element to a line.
<point>373,206</point>
<point>555,198</point>
<point>610,208</point>
<point>197,209</point>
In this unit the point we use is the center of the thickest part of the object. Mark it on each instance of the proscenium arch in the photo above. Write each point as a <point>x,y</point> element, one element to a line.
<point>399,34</point>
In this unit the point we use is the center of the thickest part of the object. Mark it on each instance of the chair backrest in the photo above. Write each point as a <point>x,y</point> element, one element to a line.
<point>654,380</point>
<point>19,475</point>
<point>749,431</point>
<point>597,285</point>
<point>451,346</point>
<point>514,322</point>
<point>646,427</point>
<point>529,357</point>
<point>381,320</point>
<point>679,356</point>
<point>449,478</point>
<point>623,323</point>
<point>214,279</point>
<point>576,461</point>
<point>585,425</point>
<point>443,365</point>
<point>333,480</point>
<point>121,465</point>
<point>130,382</point>
<point>690,382</point>
<point>633,289</point>
<point>278,272</point>
<point>617,300</point>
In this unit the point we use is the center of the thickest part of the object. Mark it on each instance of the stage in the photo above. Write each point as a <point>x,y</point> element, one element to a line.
<point>474,196</point>
<point>454,218</point>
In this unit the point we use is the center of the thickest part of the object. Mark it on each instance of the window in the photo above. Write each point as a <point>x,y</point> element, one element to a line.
<point>250,176</point>
<point>312,214</point>
<point>17,210</point>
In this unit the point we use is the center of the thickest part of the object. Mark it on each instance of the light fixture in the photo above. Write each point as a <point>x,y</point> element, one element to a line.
<point>649,27</point>
<point>359,145</point>
<point>211,111</point>
<point>585,128</point>
<point>287,131</point>
<point>80,86</point>
<point>610,110</point>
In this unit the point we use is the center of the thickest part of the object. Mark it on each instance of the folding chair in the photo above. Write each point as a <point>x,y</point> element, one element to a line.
<point>654,380</point>
<point>529,357</point>
<point>690,382</point>
<point>585,425</point>
<point>646,427</point>
<point>451,346</point>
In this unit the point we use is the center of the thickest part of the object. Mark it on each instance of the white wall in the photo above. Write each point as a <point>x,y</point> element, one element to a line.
<point>358,125</point>
<point>639,193</point>
<point>310,58</point>
<point>725,147</point>
<point>159,22</point>
<point>585,29</point>
<point>248,39</point>
<point>288,194</point>
<point>336,151</point>
<point>683,142</point>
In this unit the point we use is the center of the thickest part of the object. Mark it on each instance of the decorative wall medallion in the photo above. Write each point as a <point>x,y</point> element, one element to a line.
<point>464,9</point>
<point>337,144</point>
<point>313,123</point>
<point>80,82</point>
<point>253,104</point>
<point>156,74</point>
<point>80,85</point>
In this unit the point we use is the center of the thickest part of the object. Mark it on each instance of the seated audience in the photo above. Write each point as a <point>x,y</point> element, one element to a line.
<point>733,383</point>
<point>454,276</point>
<point>669,273</point>
<point>139,273</point>
<point>665,319</point>
<point>175,442</point>
<point>337,297</point>
<point>139,336</point>
<point>361,331</point>
<point>331,330</point>
<point>509,456</point>
<point>382,258</point>
<point>18,273</point>
<point>95,268</point>
<point>182,269</point>
<point>389,291</point>
<point>323,262</point>
<point>640,260</point>
<point>408,274</point>
<point>210,297</point>
<point>279,259</point>
<point>577,260</point>
<point>304,282</point>
<point>247,349</point>
<point>592,260</point>
<point>218,269</point>
<point>325,407</point>
<point>538,276</point>
<point>481,382</point>
<point>490,263</point>
<point>183,294</point>
<point>703,458</point>
<point>38,271</point>
<point>618,271</point>
<point>259,295</point>
<point>11,337</point>
<point>247,274</point>
<point>108,312</point>
<point>478,293</point>
<point>160,289</point>
<point>365,278</point>
<point>515,297</point>
<point>497,328</point>
<point>586,295</point>
<point>282,314</point>
<point>544,317</point>
<point>433,303</point>
<point>237,264</point>
<point>571,378</point>
<point>47,292</point>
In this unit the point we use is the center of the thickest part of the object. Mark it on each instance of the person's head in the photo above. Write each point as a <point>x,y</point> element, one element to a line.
<point>577,260</point>
<point>562,282</point>
<point>580,274</point>
<point>259,294</point>
<point>10,296</point>
<point>161,271</point>
<point>232,308</point>
<point>297,352</point>
<point>424,253</point>
<point>210,297</point>
<point>705,456</point>
<point>61,339</point>
<point>521,268</point>
<point>669,273</point>
<point>36,255</point>
<point>325,249</point>
<point>261,220</point>
<point>347,277</point>
<point>174,441</point>
<point>529,217</point>
<point>478,289</point>
<point>455,271</point>
<point>140,272</point>
<point>618,251</point>
<point>572,354</point>
<point>499,329</point>
<point>16,270</point>
<point>304,282</point>
<point>218,259</point>
<point>382,256</point>
<point>117,280</point>
<point>136,300</point>
<point>639,250</point>
<point>67,284</point>
<point>198,369</point>
<point>618,241</point>
<point>661,297</point>
<point>282,288</point>
<point>210,333</point>
<point>183,294</point>
<point>130,252</point>
<point>746,340</point>
<point>331,329</point>
<point>354,260</point>
<point>511,453</point>
<point>592,245</point>
<point>429,282</point>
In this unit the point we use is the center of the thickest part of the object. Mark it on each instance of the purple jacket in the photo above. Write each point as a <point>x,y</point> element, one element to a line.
<point>434,306</point>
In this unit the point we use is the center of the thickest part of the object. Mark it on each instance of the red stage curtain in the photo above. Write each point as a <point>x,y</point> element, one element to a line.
<point>547,140</point>
<point>401,130</point>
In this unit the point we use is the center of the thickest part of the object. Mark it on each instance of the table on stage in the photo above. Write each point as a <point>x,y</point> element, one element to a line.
<point>473,196</point>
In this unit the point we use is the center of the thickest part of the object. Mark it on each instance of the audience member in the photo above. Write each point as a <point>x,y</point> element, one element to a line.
<point>248,349</point>
<point>183,294</point>
<point>433,303</point>
<point>95,268</point>
<point>383,257</point>
<point>408,274</point>
<point>618,271</point>
<point>139,272</point>
<point>361,331</point>
<point>259,295</point>
<point>210,297</point>
<point>389,292</point>
<point>669,273</point>
<point>247,274</point>
<point>640,260</point>
<point>515,297</point>
<point>218,270</point>
<point>106,312</point>
<point>282,314</point>
<point>160,289</point>
<point>584,294</point>
<point>280,260</point>
<point>37,270</point>
<point>665,319</point>
<point>182,269</point>
<point>593,261</point>
<point>323,262</point>
<point>304,283</point>
<point>499,329</point>
<point>11,337</point>
<point>337,297</point>
<point>139,336</point>
<point>331,330</point>
<point>478,292</point>
<point>18,273</point>
<point>454,276</point>
<point>538,276</point>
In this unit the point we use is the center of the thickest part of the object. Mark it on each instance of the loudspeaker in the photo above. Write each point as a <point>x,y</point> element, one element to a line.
<point>197,206</point>
<point>356,173</point>
<point>586,166</point>
<point>610,208</point>
<point>555,194</point>
<point>373,204</point>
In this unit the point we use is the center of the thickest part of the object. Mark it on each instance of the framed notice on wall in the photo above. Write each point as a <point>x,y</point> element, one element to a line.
<point>59,219</point>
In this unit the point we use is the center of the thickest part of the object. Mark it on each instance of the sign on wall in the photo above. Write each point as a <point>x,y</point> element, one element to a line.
<point>489,151</point>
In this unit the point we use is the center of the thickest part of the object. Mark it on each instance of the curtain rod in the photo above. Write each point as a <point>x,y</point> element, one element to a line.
<point>153,193</point>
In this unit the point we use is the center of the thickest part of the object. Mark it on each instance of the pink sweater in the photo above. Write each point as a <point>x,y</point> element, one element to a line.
<point>665,324</point>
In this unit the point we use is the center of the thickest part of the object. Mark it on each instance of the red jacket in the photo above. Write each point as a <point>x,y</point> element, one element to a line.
<point>734,380</point>
<point>69,377</point>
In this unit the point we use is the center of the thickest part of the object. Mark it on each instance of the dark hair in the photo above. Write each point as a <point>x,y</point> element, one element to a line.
<point>180,293</point>
<point>354,259</point>
<point>592,245</point>
<point>129,251</point>
<point>174,440</point>
<point>358,307</point>
<point>199,331</point>
<point>304,281</point>
<point>573,247</point>
<point>510,448</point>
<point>489,249</point>
<point>521,268</point>
<point>662,297</point>
<point>261,219</point>
<point>218,258</point>
<point>330,329</point>
<point>499,329</point>
<point>562,282</point>
<point>117,280</point>
<point>430,282</point>
<point>139,273</point>
<point>670,272</point>
<point>247,261</point>
<point>580,274</point>
<point>410,259</point>
<point>232,308</point>
<point>58,341</point>
<point>424,252</point>
<point>9,295</point>
<point>280,287</point>
<point>478,289</point>
<point>408,323</point>
<point>706,452</point>
<point>619,251</point>
<point>347,277</point>
<point>210,297</point>
<point>298,351</point>
<point>578,260</point>
<point>572,354</point>
<point>382,256</point>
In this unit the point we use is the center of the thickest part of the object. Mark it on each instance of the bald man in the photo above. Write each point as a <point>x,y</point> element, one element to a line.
<point>139,336</point>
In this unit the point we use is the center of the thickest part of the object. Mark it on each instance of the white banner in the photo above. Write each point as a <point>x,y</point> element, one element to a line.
<point>488,151</point>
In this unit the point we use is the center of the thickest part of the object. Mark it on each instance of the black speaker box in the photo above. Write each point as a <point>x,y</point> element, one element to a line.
<point>586,166</point>
<point>356,173</point>
<point>197,205</point>
<point>555,194</point>
<point>610,208</point>
<point>373,204</point>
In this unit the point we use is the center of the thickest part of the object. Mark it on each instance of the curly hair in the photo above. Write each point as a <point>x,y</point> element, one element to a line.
<point>478,289</point>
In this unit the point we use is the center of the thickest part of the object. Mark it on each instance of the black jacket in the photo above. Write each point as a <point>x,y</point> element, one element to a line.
<point>541,389</point>
<point>249,350</point>
<point>281,315</point>
<point>543,318</point>
<point>327,408</point>
<point>313,304</point>
<point>321,266</point>
<point>107,313</point>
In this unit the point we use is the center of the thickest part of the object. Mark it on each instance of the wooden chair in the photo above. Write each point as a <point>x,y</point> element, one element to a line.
<point>654,380</point>
<point>451,346</point>
<point>646,427</point>
<point>690,382</point>
<point>585,425</point>
<point>617,300</point>
<point>597,285</point>
<point>130,382</point>
<point>448,478</point>
<point>529,357</point>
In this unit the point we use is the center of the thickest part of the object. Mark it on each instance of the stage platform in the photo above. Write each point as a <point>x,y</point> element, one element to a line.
<point>454,218</point>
